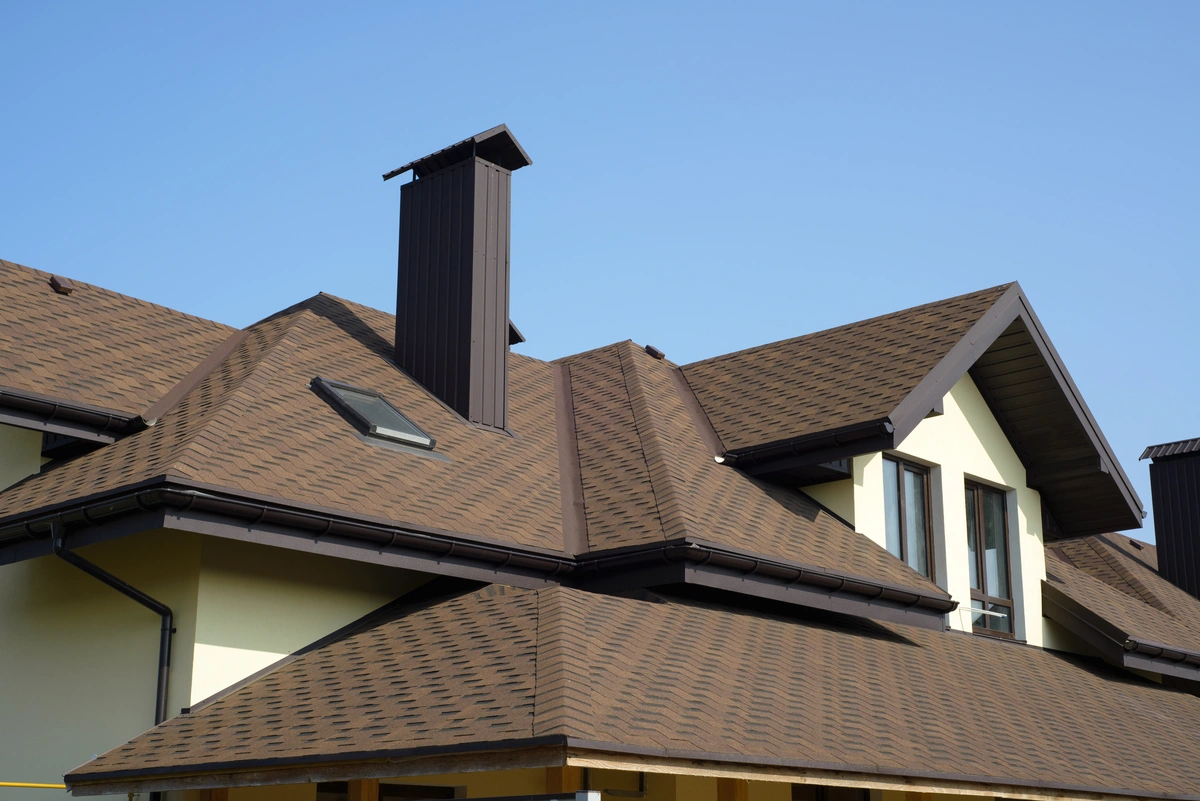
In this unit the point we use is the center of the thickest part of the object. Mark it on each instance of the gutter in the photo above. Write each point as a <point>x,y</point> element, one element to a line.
<point>442,546</point>
<point>815,447</point>
<point>65,417</point>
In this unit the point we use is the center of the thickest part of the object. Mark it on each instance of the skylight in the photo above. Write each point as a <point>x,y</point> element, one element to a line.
<point>373,413</point>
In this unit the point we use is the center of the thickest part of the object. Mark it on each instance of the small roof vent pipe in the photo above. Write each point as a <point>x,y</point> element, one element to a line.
<point>452,327</point>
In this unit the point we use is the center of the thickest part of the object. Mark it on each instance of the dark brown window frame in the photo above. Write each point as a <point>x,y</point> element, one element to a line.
<point>930,553</point>
<point>979,595</point>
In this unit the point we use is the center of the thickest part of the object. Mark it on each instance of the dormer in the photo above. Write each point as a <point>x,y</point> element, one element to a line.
<point>950,434</point>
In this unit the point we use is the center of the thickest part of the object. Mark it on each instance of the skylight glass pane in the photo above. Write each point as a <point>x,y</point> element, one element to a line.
<point>384,421</point>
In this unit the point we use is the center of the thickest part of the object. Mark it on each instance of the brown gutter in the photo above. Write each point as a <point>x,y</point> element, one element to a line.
<point>853,440</point>
<point>445,547</point>
<point>562,749</point>
<point>65,417</point>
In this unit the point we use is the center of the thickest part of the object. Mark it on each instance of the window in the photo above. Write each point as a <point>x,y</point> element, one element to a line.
<point>907,513</point>
<point>373,413</point>
<point>987,547</point>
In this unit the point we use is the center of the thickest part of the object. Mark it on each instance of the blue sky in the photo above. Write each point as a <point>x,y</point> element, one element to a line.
<point>706,177</point>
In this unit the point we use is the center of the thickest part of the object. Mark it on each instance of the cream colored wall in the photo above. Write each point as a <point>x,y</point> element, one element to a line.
<point>256,604</point>
<point>965,442</point>
<point>836,496</point>
<point>79,660</point>
<point>20,455</point>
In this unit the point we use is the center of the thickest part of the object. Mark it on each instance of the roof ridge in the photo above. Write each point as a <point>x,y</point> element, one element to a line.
<point>105,290</point>
<point>562,685</point>
<point>673,508</point>
<point>221,415</point>
<point>1104,550</point>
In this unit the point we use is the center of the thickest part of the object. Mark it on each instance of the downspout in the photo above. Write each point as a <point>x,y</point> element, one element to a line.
<point>159,608</point>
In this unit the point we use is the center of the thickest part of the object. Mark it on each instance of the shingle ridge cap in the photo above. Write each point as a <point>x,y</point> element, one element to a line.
<point>113,293</point>
<point>673,503</point>
<point>999,290</point>
<point>586,354</point>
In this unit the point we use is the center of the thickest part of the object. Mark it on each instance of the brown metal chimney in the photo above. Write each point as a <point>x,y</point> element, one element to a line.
<point>1175,486</point>
<point>452,327</point>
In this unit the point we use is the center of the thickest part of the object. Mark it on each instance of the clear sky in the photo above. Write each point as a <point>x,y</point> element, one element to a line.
<point>706,177</point>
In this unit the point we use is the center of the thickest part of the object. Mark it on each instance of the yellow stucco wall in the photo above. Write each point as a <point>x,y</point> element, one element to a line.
<point>965,442</point>
<point>79,659</point>
<point>20,454</point>
<point>256,604</point>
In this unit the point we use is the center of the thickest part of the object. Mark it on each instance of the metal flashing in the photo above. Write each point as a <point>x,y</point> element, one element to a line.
<point>496,145</point>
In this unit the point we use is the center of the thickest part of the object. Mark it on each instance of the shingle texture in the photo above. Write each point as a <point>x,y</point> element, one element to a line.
<point>843,376</point>
<point>254,426</point>
<point>95,346</point>
<point>1118,581</point>
<point>647,477</point>
<point>503,663</point>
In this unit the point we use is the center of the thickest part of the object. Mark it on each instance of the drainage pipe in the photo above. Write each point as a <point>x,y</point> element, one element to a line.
<point>159,608</point>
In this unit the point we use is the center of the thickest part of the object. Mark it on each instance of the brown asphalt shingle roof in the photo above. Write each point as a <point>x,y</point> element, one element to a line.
<point>842,376</point>
<point>648,477</point>
<point>1121,584</point>
<point>750,687</point>
<point>95,346</point>
<point>253,426</point>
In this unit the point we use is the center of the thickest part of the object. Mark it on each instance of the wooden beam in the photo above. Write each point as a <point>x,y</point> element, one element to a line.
<point>363,790</point>
<point>733,790</point>
<point>564,780</point>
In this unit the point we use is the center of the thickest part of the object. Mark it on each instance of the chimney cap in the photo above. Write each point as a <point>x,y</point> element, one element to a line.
<point>496,145</point>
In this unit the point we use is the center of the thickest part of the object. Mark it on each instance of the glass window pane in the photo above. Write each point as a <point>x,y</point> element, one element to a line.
<point>915,527</point>
<point>996,623</point>
<point>891,506</point>
<point>972,538</point>
<point>384,420</point>
<point>995,538</point>
<point>978,621</point>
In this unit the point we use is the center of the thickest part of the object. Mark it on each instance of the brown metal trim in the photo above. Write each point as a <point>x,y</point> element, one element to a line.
<point>192,380</point>
<point>570,476</point>
<point>556,749</point>
<point>36,422</point>
<point>34,410</point>
<point>712,440</point>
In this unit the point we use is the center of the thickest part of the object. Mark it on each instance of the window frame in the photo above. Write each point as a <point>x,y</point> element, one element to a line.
<point>903,464</point>
<point>980,566</point>
<point>327,389</point>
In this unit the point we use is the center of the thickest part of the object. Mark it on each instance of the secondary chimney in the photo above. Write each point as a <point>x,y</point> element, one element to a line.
<point>452,327</point>
<point>1175,487</point>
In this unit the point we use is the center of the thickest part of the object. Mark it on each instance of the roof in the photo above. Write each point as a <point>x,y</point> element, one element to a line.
<point>1107,590</point>
<point>506,668</point>
<point>95,347</point>
<point>834,378</point>
<point>782,409</point>
<point>1180,448</point>
<point>254,427</point>
<point>647,476</point>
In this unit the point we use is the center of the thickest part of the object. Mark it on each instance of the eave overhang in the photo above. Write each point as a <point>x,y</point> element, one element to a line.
<point>179,504</point>
<point>1033,398</point>
<point>561,750</point>
<point>1116,646</point>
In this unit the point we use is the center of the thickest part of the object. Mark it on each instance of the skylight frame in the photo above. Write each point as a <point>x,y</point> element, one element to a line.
<point>332,391</point>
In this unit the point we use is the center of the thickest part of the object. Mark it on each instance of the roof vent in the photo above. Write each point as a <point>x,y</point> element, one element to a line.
<point>61,285</point>
<point>452,326</point>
